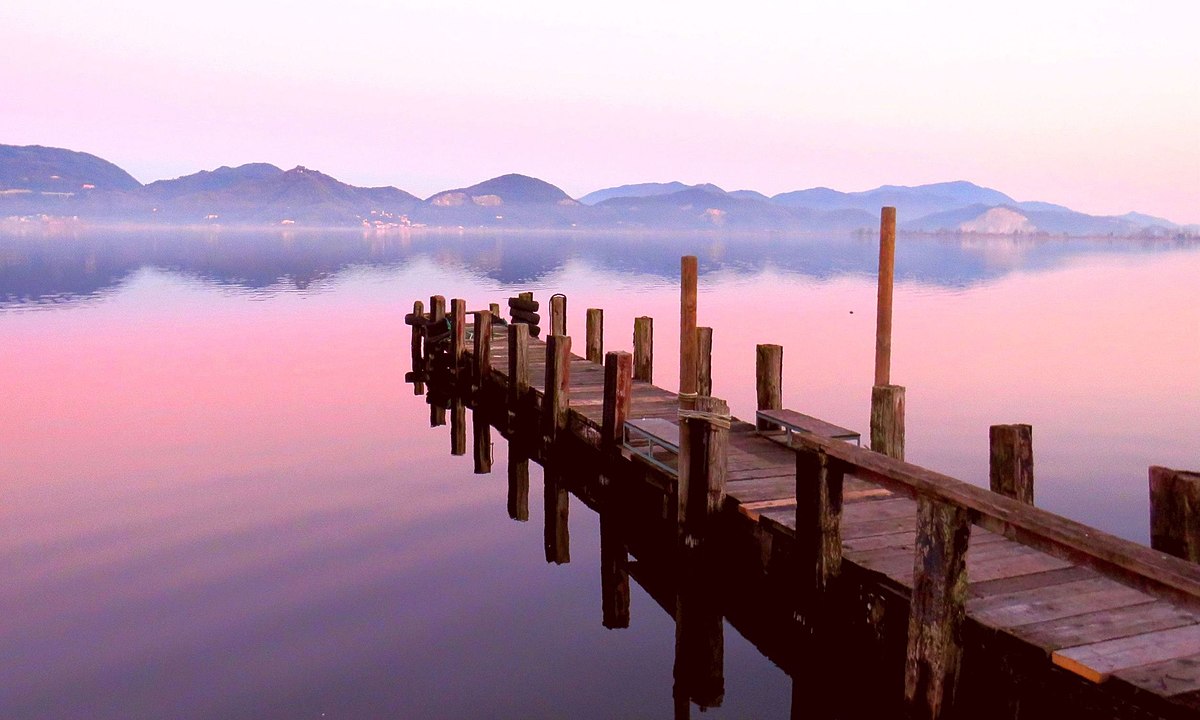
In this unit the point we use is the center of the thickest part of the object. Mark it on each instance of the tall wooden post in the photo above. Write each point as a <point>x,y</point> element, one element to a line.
<point>704,367</point>
<point>703,467</point>
<point>558,314</point>
<point>883,314</point>
<point>458,427</point>
<point>618,395</point>
<point>437,308</point>
<point>689,361</point>
<point>458,332</point>
<point>557,397</point>
<point>518,483</point>
<point>643,349</point>
<point>935,619</point>
<point>482,435</point>
<point>518,368</point>
<point>595,335</point>
<point>418,332</point>
<point>483,347</point>
<point>1011,462</point>
<point>887,420</point>
<point>768,374</point>
<point>557,507</point>
<point>819,483</point>
<point>1175,512</point>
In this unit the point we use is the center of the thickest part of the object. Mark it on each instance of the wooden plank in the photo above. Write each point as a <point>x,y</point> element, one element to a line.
<point>1053,602</point>
<point>1177,678</point>
<point>1096,662</point>
<point>1109,624</point>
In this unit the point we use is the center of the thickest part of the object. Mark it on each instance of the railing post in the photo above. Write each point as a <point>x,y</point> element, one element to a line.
<point>518,368</point>
<point>643,349</point>
<point>1011,461</point>
<point>1175,512</point>
<point>768,374</point>
<point>594,343</point>
<point>483,347</point>
<point>558,314</point>
<point>557,397</point>
<point>618,394</point>
<point>458,332</point>
<point>688,360</point>
<point>883,314</point>
<point>887,420</point>
<point>937,608</point>
<point>819,482</point>
<point>703,467</point>
<point>704,368</point>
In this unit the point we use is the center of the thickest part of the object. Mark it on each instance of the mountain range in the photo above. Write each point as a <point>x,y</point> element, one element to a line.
<point>41,182</point>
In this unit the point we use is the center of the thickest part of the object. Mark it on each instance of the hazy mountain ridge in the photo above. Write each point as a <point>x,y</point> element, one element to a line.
<point>263,194</point>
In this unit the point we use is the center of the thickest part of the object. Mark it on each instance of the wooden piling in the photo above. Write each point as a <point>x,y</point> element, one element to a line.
<point>557,398</point>
<point>1011,462</point>
<point>614,571</point>
<point>688,355</point>
<point>556,504</point>
<point>558,314</point>
<point>887,420</point>
<point>482,435</point>
<point>703,467</point>
<point>417,353</point>
<point>437,308</point>
<point>494,309</point>
<point>768,374</point>
<point>819,482</point>
<point>518,483</point>
<point>458,332</point>
<point>458,427</point>
<point>483,347</point>
<point>1175,512</point>
<point>518,366</point>
<point>704,366</point>
<point>883,312</point>
<point>643,349</point>
<point>595,335</point>
<point>937,608</point>
<point>618,395</point>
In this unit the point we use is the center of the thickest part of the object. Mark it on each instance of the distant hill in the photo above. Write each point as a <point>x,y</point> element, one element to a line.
<point>510,188</point>
<point>212,180</point>
<point>632,191</point>
<point>46,169</point>
<point>910,202</point>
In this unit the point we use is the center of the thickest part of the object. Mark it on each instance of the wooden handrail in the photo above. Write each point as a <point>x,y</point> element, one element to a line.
<point>1128,562</point>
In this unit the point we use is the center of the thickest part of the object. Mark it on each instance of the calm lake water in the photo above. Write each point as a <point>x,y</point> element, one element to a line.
<point>221,500</point>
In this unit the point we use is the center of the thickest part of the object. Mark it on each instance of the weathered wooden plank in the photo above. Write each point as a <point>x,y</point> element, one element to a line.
<point>1098,661</point>
<point>1107,624</point>
<point>1177,678</point>
<point>1053,602</point>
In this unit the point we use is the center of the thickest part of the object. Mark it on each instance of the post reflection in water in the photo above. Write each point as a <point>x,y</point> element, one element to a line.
<point>556,503</point>
<point>458,427</point>
<point>482,436</point>
<point>614,563</point>
<point>699,638</point>
<point>518,483</point>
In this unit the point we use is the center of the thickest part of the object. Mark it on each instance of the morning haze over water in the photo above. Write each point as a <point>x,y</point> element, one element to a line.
<point>223,500</point>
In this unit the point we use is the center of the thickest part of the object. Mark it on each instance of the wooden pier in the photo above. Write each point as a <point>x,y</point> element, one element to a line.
<point>952,599</point>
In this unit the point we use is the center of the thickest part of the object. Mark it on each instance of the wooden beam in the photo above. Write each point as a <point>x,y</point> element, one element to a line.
<point>704,368</point>
<point>887,420</point>
<point>643,349</point>
<point>768,377</point>
<point>937,609</point>
<point>595,335</point>
<point>1175,512</point>
<point>883,312</point>
<point>1011,461</point>
<point>688,355</point>
<point>618,396</point>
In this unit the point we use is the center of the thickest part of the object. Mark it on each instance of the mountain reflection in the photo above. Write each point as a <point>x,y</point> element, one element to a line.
<point>38,269</point>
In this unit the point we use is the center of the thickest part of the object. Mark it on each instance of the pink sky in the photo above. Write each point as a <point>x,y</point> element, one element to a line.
<point>1093,105</point>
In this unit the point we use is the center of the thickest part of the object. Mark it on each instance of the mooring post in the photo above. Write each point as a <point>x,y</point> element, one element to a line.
<point>556,504</point>
<point>887,420</point>
<point>643,349</point>
<point>937,609</point>
<point>704,367</point>
<point>819,482</point>
<point>595,335</point>
<point>482,435</point>
<point>458,427</point>
<point>557,397</point>
<point>618,395</point>
<point>418,332</point>
<point>558,314</point>
<point>768,375</point>
<point>688,351</point>
<point>518,369</point>
<point>703,467</point>
<point>1175,512</point>
<point>458,332</point>
<point>883,314</point>
<point>494,309</point>
<point>614,567</point>
<point>483,348</point>
<point>437,316</point>
<point>518,482</point>
<point>1011,461</point>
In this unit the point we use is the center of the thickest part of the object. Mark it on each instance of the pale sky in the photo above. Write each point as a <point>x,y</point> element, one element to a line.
<point>1094,105</point>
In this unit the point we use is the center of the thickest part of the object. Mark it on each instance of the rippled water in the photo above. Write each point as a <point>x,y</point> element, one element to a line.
<point>220,499</point>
